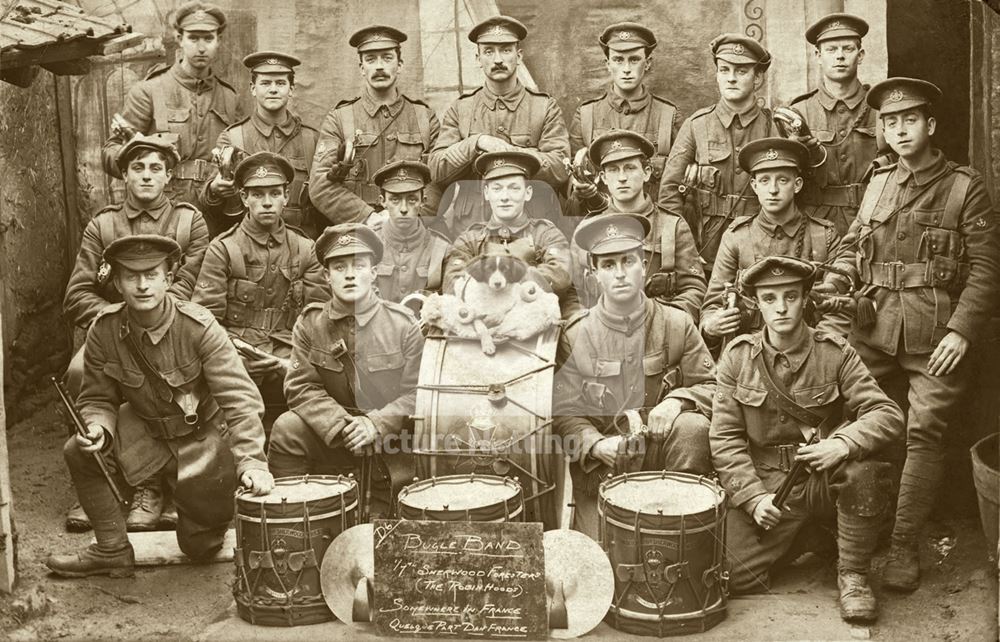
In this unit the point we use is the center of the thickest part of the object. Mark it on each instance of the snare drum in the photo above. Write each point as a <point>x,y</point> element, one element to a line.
<point>463,498</point>
<point>665,536</point>
<point>281,538</point>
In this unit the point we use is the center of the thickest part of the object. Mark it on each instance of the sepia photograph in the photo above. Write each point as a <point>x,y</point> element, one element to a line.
<point>499,319</point>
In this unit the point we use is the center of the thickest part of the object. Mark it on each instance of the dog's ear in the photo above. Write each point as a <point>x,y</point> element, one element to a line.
<point>518,269</point>
<point>479,269</point>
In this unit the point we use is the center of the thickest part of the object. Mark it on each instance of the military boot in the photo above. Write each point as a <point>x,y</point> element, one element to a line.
<point>902,569</point>
<point>77,520</point>
<point>94,561</point>
<point>147,504</point>
<point>168,518</point>
<point>857,602</point>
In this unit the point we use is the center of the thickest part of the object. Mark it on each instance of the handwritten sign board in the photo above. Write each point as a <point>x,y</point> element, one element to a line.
<point>459,579</point>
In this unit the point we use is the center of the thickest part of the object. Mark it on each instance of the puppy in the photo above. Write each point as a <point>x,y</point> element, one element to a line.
<point>490,292</point>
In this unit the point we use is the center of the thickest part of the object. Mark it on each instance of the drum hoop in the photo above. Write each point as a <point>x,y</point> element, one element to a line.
<point>687,478</point>
<point>456,480</point>
<point>718,605</point>
<point>656,531</point>
<point>324,480</point>
<point>298,520</point>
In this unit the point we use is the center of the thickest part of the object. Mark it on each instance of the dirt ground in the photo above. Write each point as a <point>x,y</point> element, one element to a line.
<point>957,601</point>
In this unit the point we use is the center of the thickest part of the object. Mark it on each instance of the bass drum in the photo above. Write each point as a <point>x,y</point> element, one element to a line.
<point>491,415</point>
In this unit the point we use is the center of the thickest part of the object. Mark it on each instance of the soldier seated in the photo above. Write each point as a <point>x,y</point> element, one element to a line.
<point>257,276</point>
<point>355,360</point>
<point>775,387</point>
<point>536,241</point>
<point>628,353</point>
<point>165,394</point>
<point>414,254</point>
<point>776,167</point>
<point>674,275</point>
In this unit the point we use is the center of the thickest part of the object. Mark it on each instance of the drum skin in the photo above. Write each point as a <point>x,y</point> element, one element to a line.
<point>455,380</point>
<point>665,536</point>
<point>463,498</point>
<point>281,540</point>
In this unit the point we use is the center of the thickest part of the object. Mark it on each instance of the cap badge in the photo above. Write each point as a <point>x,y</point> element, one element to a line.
<point>835,25</point>
<point>771,154</point>
<point>378,36</point>
<point>895,96</point>
<point>402,173</point>
<point>777,271</point>
<point>498,30</point>
<point>261,172</point>
<point>200,14</point>
<point>617,144</point>
<point>346,239</point>
<point>624,35</point>
<point>272,61</point>
<point>611,232</point>
<point>738,49</point>
<point>499,162</point>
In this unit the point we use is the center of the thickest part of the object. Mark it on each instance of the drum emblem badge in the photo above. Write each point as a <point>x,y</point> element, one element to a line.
<point>484,451</point>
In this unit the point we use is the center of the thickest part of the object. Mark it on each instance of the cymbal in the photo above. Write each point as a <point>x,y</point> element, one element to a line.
<point>582,567</point>
<point>350,556</point>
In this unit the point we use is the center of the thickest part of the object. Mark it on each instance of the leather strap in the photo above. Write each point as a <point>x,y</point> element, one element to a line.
<point>781,397</point>
<point>163,390</point>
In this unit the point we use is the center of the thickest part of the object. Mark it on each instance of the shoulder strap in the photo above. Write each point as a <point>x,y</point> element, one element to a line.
<point>438,251</point>
<point>872,195</point>
<point>817,238</point>
<point>424,125</point>
<point>956,199</point>
<point>665,128</point>
<point>159,95</point>
<point>347,121</point>
<point>184,224</point>
<point>464,107</point>
<point>160,387</point>
<point>237,268</point>
<point>668,246</point>
<point>587,123</point>
<point>675,341</point>
<point>295,252</point>
<point>106,228</point>
<point>699,131</point>
<point>781,398</point>
<point>236,138</point>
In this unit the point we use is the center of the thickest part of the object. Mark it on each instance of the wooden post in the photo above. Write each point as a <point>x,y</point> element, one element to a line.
<point>7,569</point>
<point>67,149</point>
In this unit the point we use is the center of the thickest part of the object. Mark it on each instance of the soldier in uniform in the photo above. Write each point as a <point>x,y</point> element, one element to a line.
<point>185,100</point>
<point>272,127</point>
<point>502,115</point>
<point>840,119</point>
<point>924,248</point>
<point>414,255</point>
<point>775,166</point>
<point>510,230</point>
<point>628,353</point>
<point>702,181</point>
<point>627,103</point>
<point>258,275</point>
<point>775,387</point>
<point>674,275</point>
<point>355,359</point>
<point>382,124</point>
<point>146,163</point>
<point>164,393</point>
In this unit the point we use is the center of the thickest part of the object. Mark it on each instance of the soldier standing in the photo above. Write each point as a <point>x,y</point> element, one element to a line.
<point>627,103</point>
<point>502,115</point>
<point>146,163</point>
<point>924,249</point>
<point>510,230</point>
<point>628,353</point>
<point>186,101</point>
<point>163,392</point>
<point>775,387</point>
<point>355,360</point>
<point>382,125</point>
<point>674,275</point>
<point>414,255</point>
<point>775,166</point>
<point>272,127</point>
<point>258,276</point>
<point>840,119</point>
<point>702,180</point>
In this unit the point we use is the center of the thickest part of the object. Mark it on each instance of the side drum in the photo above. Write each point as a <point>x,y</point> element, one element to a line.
<point>665,536</point>
<point>463,498</point>
<point>281,539</point>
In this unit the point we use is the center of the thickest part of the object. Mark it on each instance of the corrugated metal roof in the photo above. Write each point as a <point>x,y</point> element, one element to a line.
<point>38,23</point>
